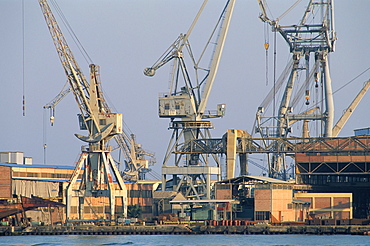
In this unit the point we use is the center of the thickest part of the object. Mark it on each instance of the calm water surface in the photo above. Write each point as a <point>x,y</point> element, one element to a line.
<point>180,240</point>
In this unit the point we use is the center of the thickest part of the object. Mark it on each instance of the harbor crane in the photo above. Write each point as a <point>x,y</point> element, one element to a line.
<point>95,163</point>
<point>137,160</point>
<point>185,105</point>
<point>313,37</point>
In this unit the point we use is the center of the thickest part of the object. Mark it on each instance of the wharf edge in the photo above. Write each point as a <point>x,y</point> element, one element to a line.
<point>183,229</point>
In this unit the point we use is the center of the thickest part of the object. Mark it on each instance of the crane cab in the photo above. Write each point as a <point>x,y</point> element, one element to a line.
<point>103,120</point>
<point>178,106</point>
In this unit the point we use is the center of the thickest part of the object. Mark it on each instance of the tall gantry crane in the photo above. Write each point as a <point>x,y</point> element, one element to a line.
<point>96,163</point>
<point>313,37</point>
<point>137,160</point>
<point>185,106</point>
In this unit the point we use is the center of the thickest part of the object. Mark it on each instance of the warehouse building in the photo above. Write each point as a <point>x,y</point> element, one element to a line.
<point>50,182</point>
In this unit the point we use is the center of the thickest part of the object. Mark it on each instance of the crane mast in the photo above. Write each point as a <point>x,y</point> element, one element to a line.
<point>95,163</point>
<point>185,106</point>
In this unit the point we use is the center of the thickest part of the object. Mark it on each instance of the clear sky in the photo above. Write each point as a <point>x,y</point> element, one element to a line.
<point>124,37</point>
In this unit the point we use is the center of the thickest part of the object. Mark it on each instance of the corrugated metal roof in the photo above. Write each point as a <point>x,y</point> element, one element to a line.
<point>37,166</point>
<point>43,180</point>
<point>164,194</point>
<point>257,178</point>
<point>300,201</point>
<point>268,179</point>
<point>50,180</point>
<point>232,201</point>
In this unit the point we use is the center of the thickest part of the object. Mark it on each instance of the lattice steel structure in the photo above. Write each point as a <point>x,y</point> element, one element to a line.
<point>312,38</point>
<point>185,106</point>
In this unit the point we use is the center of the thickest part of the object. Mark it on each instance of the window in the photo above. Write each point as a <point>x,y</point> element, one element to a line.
<point>73,209</point>
<point>223,186</point>
<point>146,193</point>
<point>262,215</point>
<point>134,193</point>
<point>45,175</point>
<point>140,193</point>
<point>33,175</point>
<point>102,122</point>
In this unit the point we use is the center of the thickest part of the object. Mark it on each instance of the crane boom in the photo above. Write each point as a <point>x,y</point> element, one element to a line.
<point>351,108</point>
<point>93,107</point>
<point>74,74</point>
<point>53,103</point>
<point>89,97</point>
<point>216,59</point>
<point>263,15</point>
<point>62,94</point>
<point>176,47</point>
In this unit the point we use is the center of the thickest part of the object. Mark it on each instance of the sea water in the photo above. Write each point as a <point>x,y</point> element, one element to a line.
<point>182,240</point>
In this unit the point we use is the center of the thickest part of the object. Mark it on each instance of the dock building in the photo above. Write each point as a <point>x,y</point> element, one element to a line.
<point>50,182</point>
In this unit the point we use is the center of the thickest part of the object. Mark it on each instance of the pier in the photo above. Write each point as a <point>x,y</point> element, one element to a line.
<point>182,229</point>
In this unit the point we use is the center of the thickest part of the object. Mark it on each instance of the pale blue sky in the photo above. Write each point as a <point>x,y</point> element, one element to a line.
<point>124,37</point>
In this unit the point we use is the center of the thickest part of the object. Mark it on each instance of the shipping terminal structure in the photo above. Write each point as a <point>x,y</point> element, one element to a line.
<point>329,182</point>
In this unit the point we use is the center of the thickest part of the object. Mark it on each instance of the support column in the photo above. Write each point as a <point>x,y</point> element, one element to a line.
<point>208,186</point>
<point>215,211</point>
<point>243,161</point>
<point>329,102</point>
<point>163,182</point>
<point>231,154</point>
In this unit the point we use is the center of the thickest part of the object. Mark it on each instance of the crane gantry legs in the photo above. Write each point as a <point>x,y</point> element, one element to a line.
<point>96,182</point>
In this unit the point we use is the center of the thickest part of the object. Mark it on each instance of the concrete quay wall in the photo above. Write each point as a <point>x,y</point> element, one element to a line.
<point>181,229</point>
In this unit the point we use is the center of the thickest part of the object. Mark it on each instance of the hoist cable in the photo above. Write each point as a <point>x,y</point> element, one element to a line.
<point>266,45</point>
<point>154,174</point>
<point>23,62</point>
<point>274,99</point>
<point>283,76</point>
<point>44,131</point>
<point>288,10</point>
<point>367,69</point>
<point>267,67</point>
<point>72,33</point>
<point>268,8</point>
